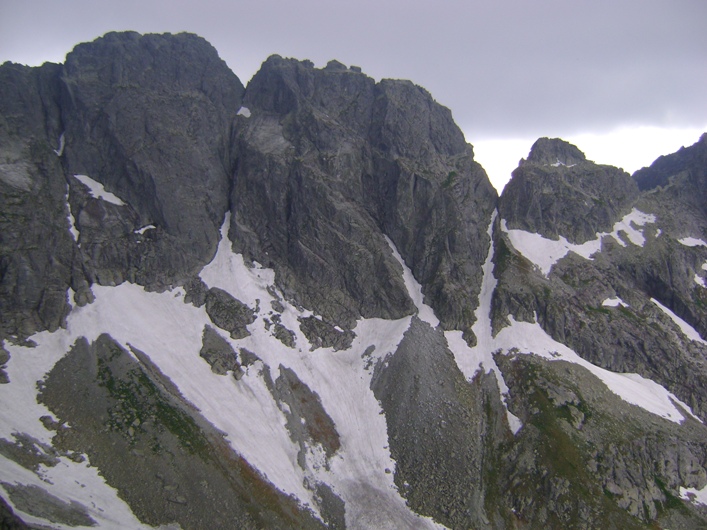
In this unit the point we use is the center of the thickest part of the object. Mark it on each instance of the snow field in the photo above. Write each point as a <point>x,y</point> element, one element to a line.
<point>357,472</point>
<point>692,242</point>
<point>687,329</point>
<point>544,253</point>
<point>169,332</point>
<point>98,191</point>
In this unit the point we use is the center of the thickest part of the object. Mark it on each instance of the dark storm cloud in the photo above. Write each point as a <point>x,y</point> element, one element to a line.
<point>505,68</point>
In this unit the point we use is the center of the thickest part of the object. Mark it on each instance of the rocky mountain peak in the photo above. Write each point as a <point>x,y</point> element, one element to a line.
<point>555,151</point>
<point>687,161</point>
<point>331,162</point>
<point>558,192</point>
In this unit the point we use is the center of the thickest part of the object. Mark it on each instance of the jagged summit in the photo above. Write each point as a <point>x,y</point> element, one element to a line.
<point>558,192</point>
<point>688,162</point>
<point>554,152</point>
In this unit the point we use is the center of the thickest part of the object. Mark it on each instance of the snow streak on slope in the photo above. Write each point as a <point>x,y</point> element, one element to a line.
<point>62,143</point>
<point>692,242</point>
<point>70,216</point>
<point>687,329</point>
<point>694,495</point>
<point>471,360</point>
<point>98,191</point>
<point>414,289</point>
<point>524,337</point>
<point>545,252</point>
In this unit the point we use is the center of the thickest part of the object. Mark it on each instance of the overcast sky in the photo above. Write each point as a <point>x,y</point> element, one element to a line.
<point>624,80</point>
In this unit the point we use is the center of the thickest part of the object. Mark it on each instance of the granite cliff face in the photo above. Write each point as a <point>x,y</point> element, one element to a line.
<point>331,163</point>
<point>301,304</point>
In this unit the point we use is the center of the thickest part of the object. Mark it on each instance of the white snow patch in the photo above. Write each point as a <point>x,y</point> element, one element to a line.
<point>145,229</point>
<point>630,225</point>
<point>558,164</point>
<point>614,302</point>
<point>544,253</point>
<point>98,191</point>
<point>414,289</point>
<point>480,357</point>
<point>60,150</point>
<point>699,280</point>
<point>243,111</point>
<point>72,222</point>
<point>524,337</point>
<point>687,329</point>
<point>704,266</point>
<point>694,495</point>
<point>692,242</point>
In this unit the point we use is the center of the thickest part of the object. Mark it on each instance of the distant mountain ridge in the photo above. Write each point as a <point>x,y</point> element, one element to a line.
<point>301,304</point>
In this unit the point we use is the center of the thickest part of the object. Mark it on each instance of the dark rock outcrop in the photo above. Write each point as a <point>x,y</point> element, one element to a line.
<point>440,428</point>
<point>219,353</point>
<point>151,118</point>
<point>691,160</point>
<point>38,260</point>
<point>228,313</point>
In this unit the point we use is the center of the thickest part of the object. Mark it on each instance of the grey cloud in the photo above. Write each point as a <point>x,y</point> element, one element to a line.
<point>506,69</point>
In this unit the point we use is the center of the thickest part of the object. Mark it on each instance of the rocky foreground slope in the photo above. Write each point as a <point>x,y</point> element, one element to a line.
<point>301,304</point>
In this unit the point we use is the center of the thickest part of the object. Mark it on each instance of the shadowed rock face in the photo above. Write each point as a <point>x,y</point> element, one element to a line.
<point>328,163</point>
<point>692,160</point>
<point>558,192</point>
<point>149,117</point>
<point>37,255</point>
